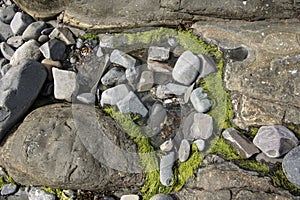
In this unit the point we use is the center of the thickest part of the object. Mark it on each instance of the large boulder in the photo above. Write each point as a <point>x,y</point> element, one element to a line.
<point>50,150</point>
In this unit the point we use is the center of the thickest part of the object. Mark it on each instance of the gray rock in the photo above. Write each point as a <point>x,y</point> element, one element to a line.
<point>158,115</point>
<point>19,88</point>
<point>15,41</point>
<point>54,49</point>
<point>291,166</point>
<point>167,146</point>
<point>123,59</point>
<point>186,68</point>
<point>146,81</point>
<point>113,95</point>
<point>275,141</point>
<point>79,43</point>
<point>130,197</point>
<point>202,127</point>
<point>7,14</point>
<point>47,31</point>
<point>261,157</point>
<point>6,50</point>
<point>158,53</point>
<point>43,38</point>
<point>166,171</point>
<point>161,197</point>
<point>20,22</point>
<point>29,50</point>
<point>87,98</point>
<point>188,93</point>
<point>33,31</point>
<point>4,69</point>
<point>49,64</point>
<point>99,52</point>
<point>200,144</point>
<point>63,34</point>
<point>111,41</point>
<point>5,31</point>
<point>39,194</point>
<point>8,189</point>
<point>65,84</point>
<point>184,150</point>
<point>159,67</point>
<point>242,143</point>
<point>199,100</point>
<point>133,75</point>
<point>172,42</point>
<point>162,78</point>
<point>163,91</point>
<point>132,104</point>
<point>113,76</point>
<point>208,65</point>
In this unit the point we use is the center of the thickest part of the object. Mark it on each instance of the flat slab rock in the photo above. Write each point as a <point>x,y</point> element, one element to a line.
<point>263,72</point>
<point>47,157</point>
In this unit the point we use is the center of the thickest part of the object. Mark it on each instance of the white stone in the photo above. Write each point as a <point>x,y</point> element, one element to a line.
<point>202,127</point>
<point>132,104</point>
<point>130,197</point>
<point>158,53</point>
<point>113,95</point>
<point>200,101</point>
<point>123,59</point>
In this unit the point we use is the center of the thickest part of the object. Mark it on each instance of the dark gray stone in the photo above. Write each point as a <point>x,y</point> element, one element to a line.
<point>7,14</point>
<point>63,34</point>
<point>123,59</point>
<point>132,104</point>
<point>200,101</point>
<point>158,53</point>
<point>5,31</point>
<point>291,166</point>
<point>208,65</point>
<point>184,150</point>
<point>33,31</point>
<point>146,81</point>
<point>201,128</point>
<point>113,76</point>
<point>158,115</point>
<point>15,41</point>
<point>54,49</point>
<point>166,171</point>
<point>115,94</point>
<point>6,50</point>
<point>8,189</point>
<point>20,22</point>
<point>275,141</point>
<point>19,88</point>
<point>43,38</point>
<point>161,197</point>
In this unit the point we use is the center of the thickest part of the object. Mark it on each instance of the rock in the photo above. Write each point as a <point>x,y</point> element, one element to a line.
<point>162,78</point>
<point>49,64</point>
<point>63,34</point>
<point>5,31</point>
<point>47,31</point>
<point>130,197</point>
<point>201,128</point>
<point>15,41</point>
<point>161,197</point>
<point>87,98</point>
<point>188,93</point>
<point>39,194</point>
<point>99,52</point>
<point>163,91</point>
<point>158,53</point>
<point>79,43</point>
<point>132,104</point>
<point>146,81</point>
<point>186,68</point>
<point>113,76</point>
<point>159,67</point>
<point>43,39</point>
<point>261,157</point>
<point>19,88</point>
<point>167,146</point>
<point>199,100</point>
<point>166,171</point>
<point>33,31</point>
<point>54,49</point>
<point>208,65</point>
<point>115,94</point>
<point>184,150</point>
<point>8,189</point>
<point>123,59</point>
<point>200,144</point>
<point>291,164</point>
<point>53,143</point>
<point>29,50</point>
<point>20,22</point>
<point>65,84</point>
<point>242,143</point>
<point>6,50</point>
<point>133,75</point>
<point>158,115</point>
<point>275,141</point>
<point>187,194</point>
<point>4,69</point>
<point>7,14</point>
<point>111,41</point>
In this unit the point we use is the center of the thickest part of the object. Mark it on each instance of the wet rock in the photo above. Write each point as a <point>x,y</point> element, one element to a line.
<point>37,193</point>
<point>15,41</point>
<point>200,144</point>
<point>6,50</point>
<point>29,50</point>
<point>146,81</point>
<point>291,165</point>
<point>87,98</point>
<point>184,150</point>
<point>158,53</point>
<point>130,197</point>
<point>5,31</point>
<point>20,22</point>
<point>123,59</point>
<point>33,31</point>
<point>200,101</point>
<point>115,94</point>
<point>7,14</point>
<point>132,104</point>
<point>113,76</point>
<point>208,65</point>
<point>19,88</point>
<point>65,84</point>
<point>275,141</point>
<point>161,197</point>
<point>166,165</point>
<point>201,128</point>
<point>186,68</point>
<point>242,143</point>
<point>63,34</point>
<point>158,115</point>
<point>54,49</point>
<point>167,146</point>
<point>8,189</point>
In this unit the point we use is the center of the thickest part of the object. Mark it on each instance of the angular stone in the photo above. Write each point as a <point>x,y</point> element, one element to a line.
<point>15,41</point>
<point>166,171</point>
<point>54,49</point>
<point>113,76</point>
<point>130,197</point>
<point>200,144</point>
<point>208,65</point>
<point>184,150</point>
<point>163,91</point>
<point>115,94</point>
<point>162,78</point>
<point>63,34</point>
<point>291,166</point>
<point>7,14</point>
<point>65,84</point>
<point>161,197</point>
<point>132,104</point>
<point>18,90</point>
<point>275,141</point>
<point>29,50</point>
<point>5,31</point>
<point>6,50</point>
<point>199,100</point>
<point>133,74</point>
<point>87,98</point>
<point>202,127</point>
<point>49,64</point>
<point>158,115</point>
<point>123,59</point>
<point>99,52</point>
<point>242,143</point>
<point>33,31</point>
<point>158,53</point>
<point>159,67</point>
<point>146,81</point>
<point>186,68</point>
<point>167,146</point>
<point>38,193</point>
<point>261,157</point>
<point>111,41</point>
<point>20,22</point>
<point>8,189</point>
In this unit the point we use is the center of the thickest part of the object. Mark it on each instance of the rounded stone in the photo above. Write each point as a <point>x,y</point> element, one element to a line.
<point>166,171</point>
<point>291,166</point>
<point>200,144</point>
<point>20,22</point>
<point>167,146</point>
<point>200,101</point>
<point>161,197</point>
<point>184,150</point>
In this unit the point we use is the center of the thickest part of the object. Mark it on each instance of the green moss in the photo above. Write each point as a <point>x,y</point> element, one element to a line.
<point>57,192</point>
<point>222,148</point>
<point>295,129</point>
<point>6,179</point>
<point>90,36</point>
<point>253,131</point>
<point>253,165</point>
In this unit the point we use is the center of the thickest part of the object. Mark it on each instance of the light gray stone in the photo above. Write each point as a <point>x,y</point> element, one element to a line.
<point>132,104</point>
<point>158,115</point>
<point>111,41</point>
<point>133,75</point>
<point>291,166</point>
<point>200,144</point>
<point>33,31</point>
<point>54,49</point>
<point>7,14</point>
<point>113,76</point>
<point>200,101</point>
<point>63,34</point>
<point>130,197</point>
<point>123,59</point>
<point>184,150</point>
<point>87,98</point>
<point>6,50</point>
<point>99,52</point>
<point>20,22</point>
<point>65,84</point>
<point>39,194</point>
<point>15,41</point>
<point>275,141</point>
<point>158,53</point>
<point>146,81</point>
<point>208,65</point>
<point>113,95</point>
<point>161,197</point>
<point>29,50</point>
<point>186,68</point>
<point>8,189</point>
<point>4,69</point>
<point>242,143</point>
<point>5,31</point>
<point>167,146</point>
<point>159,67</point>
<point>166,171</point>
<point>79,43</point>
<point>202,127</point>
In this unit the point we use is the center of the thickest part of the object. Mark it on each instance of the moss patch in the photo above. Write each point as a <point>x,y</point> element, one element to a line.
<point>57,192</point>
<point>6,179</point>
<point>90,36</point>
<point>220,147</point>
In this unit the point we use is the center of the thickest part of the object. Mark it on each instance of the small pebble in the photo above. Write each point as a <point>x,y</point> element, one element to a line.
<point>184,150</point>
<point>200,144</point>
<point>8,189</point>
<point>43,39</point>
<point>161,197</point>
<point>167,146</point>
<point>130,197</point>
